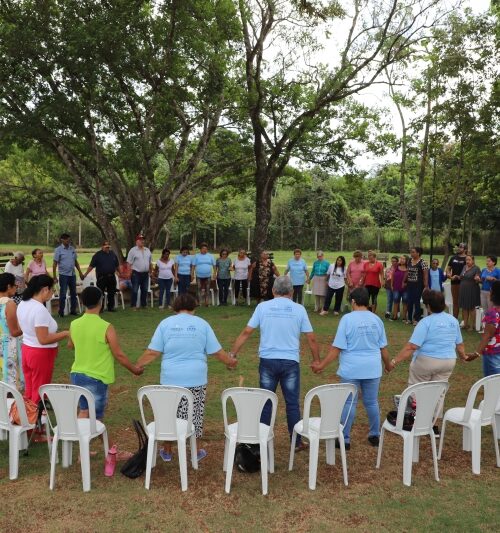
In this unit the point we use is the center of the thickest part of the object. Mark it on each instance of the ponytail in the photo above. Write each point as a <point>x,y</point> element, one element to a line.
<point>36,284</point>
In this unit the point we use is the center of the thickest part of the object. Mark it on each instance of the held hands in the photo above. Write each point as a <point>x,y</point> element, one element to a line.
<point>317,367</point>
<point>233,363</point>
<point>138,370</point>
<point>470,357</point>
<point>389,367</point>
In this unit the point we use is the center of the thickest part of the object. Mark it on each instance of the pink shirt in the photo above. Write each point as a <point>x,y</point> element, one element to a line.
<point>37,269</point>
<point>355,271</point>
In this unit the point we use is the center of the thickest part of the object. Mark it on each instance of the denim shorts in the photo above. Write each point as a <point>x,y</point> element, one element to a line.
<point>98,389</point>
<point>399,295</point>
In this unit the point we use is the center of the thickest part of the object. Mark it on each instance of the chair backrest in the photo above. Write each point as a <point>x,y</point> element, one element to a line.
<point>427,396</point>
<point>248,402</point>
<point>5,405</point>
<point>332,398</point>
<point>448,299</point>
<point>90,279</point>
<point>489,404</point>
<point>64,400</point>
<point>164,401</point>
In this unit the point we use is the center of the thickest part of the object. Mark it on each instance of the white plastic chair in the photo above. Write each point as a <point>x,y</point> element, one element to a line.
<point>64,400</point>
<point>248,429</point>
<point>473,420</point>
<point>164,401</point>
<point>150,294</point>
<point>18,439</point>
<point>479,318</point>
<point>448,298</point>
<point>332,399</point>
<point>427,395</point>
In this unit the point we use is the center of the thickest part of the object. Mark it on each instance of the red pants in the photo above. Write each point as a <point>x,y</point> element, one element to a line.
<point>38,365</point>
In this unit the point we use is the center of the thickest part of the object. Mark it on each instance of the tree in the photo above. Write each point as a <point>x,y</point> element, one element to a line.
<point>289,97</point>
<point>125,94</point>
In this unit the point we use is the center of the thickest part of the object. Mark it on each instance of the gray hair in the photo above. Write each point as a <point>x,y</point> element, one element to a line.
<point>282,286</point>
<point>18,255</point>
<point>319,253</point>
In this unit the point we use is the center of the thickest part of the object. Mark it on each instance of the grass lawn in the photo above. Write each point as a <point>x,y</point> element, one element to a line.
<point>373,501</point>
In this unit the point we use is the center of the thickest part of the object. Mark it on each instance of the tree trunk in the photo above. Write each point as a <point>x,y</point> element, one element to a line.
<point>262,212</point>
<point>423,165</point>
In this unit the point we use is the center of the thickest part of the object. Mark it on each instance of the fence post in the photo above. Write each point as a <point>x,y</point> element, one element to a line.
<point>248,239</point>
<point>315,240</point>
<point>17,231</point>
<point>342,239</point>
<point>48,231</point>
<point>80,233</point>
<point>215,236</point>
<point>378,239</point>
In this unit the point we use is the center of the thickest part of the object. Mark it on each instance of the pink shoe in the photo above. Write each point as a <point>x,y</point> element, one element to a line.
<point>110,462</point>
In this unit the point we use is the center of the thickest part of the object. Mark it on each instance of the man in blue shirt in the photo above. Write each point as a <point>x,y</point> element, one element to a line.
<point>281,323</point>
<point>65,258</point>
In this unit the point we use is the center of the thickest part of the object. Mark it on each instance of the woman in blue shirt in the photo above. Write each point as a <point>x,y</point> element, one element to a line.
<point>204,267</point>
<point>298,274</point>
<point>433,345</point>
<point>361,344</point>
<point>183,341</point>
<point>488,276</point>
<point>184,275</point>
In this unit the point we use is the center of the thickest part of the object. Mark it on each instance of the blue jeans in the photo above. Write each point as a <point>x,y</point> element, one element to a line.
<point>98,389</point>
<point>491,365</point>
<point>369,391</point>
<point>390,299</point>
<point>184,282</point>
<point>165,286</point>
<point>65,283</point>
<point>139,280</point>
<point>287,374</point>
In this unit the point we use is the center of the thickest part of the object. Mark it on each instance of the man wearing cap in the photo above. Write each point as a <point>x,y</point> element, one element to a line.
<point>15,267</point>
<point>65,258</point>
<point>454,269</point>
<point>106,266</point>
<point>139,259</point>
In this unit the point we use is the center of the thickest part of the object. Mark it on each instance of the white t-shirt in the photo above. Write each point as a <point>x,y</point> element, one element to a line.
<point>165,269</point>
<point>336,277</point>
<point>241,268</point>
<point>30,315</point>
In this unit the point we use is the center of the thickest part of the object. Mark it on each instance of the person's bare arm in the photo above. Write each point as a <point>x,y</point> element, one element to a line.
<point>225,358</point>
<point>488,333</point>
<point>114,345</point>
<point>11,316</point>
<point>386,358</point>
<point>332,355</point>
<point>44,337</point>
<point>250,271</point>
<point>77,265</point>
<point>242,338</point>
<point>147,357</point>
<point>405,353</point>
<point>70,342</point>
<point>426,279</point>
<point>313,345</point>
<point>275,271</point>
<point>54,270</point>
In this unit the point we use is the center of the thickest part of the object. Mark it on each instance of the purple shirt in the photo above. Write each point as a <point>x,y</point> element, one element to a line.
<point>397,280</point>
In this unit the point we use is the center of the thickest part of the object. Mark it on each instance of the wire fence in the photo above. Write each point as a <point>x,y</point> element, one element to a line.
<point>45,233</point>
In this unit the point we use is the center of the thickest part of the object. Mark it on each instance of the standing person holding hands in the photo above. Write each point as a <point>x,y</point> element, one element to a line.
<point>139,259</point>
<point>318,278</point>
<point>488,275</point>
<point>299,274</point>
<point>204,268</point>
<point>373,278</point>
<point>417,280</point>
<point>183,270</point>
<point>65,259</point>
<point>336,284</point>
<point>355,271</point>
<point>15,267</point>
<point>241,267</point>
<point>469,297</point>
<point>453,270</point>
<point>36,266</point>
<point>223,266</point>
<point>165,271</point>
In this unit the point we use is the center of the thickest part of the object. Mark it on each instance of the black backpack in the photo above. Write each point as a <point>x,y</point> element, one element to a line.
<point>136,465</point>
<point>247,458</point>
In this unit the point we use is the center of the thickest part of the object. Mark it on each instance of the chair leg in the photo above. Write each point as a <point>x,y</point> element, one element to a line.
<point>494,430</point>
<point>330,451</point>
<point>380,445</point>
<point>85,463</point>
<point>263,466</point>
<point>270,454</point>
<point>407,459</point>
<point>53,461</point>
<point>47,434</point>
<point>155,454</point>
<point>292,450</point>
<point>67,453</point>
<point>476,449</point>
<point>149,461</point>
<point>416,449</point>
<point>105,442</point>
<point>226,447</point>
<point>313,461</point>
<point>343,458</point>
<point>441,438</point>
<point>466,440</point>
<point>434,455</point>
<point>230,463</point>
<point>194,451</point>
<point>181,450</point>
<point>13,454</point>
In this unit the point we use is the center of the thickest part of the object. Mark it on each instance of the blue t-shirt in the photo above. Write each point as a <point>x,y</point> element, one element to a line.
<point>184,340</point>
<point>203,264</point>
<point>437,336</point>
<point>360,336</point>
<point>435,280</point>
<point>183,263</point>
<point>297,271</point>
<point>65,259</point>
<point>281,322</point>
<point>486,284</point>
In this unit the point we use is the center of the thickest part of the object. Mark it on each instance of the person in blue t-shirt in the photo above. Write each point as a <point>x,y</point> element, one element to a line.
<point>361,343</point>
<point>281,323</point>
<point>488,276</point>
<point>183,341</point>
<point>183,270</point>
<point>299,274</point>
<point>204,268</point>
